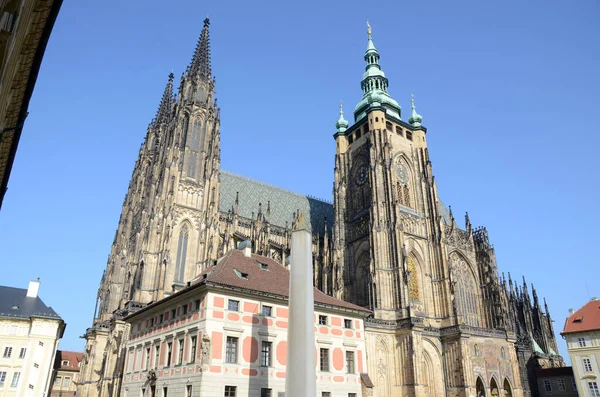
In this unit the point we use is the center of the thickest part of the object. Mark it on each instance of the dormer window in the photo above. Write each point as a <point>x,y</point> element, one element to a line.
<point>263,266</point>
<point>243,276</point>
<point>64,363</point>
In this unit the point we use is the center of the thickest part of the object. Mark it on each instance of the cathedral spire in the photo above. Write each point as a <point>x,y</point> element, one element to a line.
<point>164,109</point>
<point>200,64</point>
<point>374,85</point>
<point>415,118</point>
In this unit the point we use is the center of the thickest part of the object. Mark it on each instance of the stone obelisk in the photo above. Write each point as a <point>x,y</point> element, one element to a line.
<point>300,380</point>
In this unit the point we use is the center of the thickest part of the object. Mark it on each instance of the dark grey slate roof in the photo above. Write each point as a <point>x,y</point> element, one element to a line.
<point>14,303</point>
<point>283,203</point>
<point>444,212</point>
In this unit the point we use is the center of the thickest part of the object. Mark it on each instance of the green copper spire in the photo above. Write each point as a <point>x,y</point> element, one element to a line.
<point>374,85</point>
<point>415,118</point>
<point>342,124</point>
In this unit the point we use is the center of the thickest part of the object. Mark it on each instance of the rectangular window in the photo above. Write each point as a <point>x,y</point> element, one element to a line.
<point>147,363</point>
<point>388,126</point>
<point>322,320</point>
<point>152,322</point>
<point>31,387</point>
<point>547,385</point>
<point>350,138</point>
<point>350,362</point>
<point>326,394</point>
<point>347,323</point>
<point>324,362</point>
<point>409,135</point>
<point>581,342</point>
<point>399,131</point>
<point>36,365</point>
<point>193,341</point>
<point>58,381</point>
<point>180,355</point>
<point>561,385</point>
<point>188,391</point>
<point>173,314</point>
<point>265,357</point>
<point>169,352</point>
<point>7,352</point>
<point>184,309</point>
<point>41,343</point>
<point>22,352</point>
<point>66,381</point>
<point>156,355</point>
<point>197,304</point>
<point>2,378</point>
<point>165,391</point>
<point>15,379</point>
<point>161,318</point>
<point>231,350</point>
<point>267,311</point>
<point>587,364</point>
<point>230,391</point>
<point>351,394</point>
<point>574,384</point>
<point>594,392</point>
<point>232,305</point>
<point>265,392</point>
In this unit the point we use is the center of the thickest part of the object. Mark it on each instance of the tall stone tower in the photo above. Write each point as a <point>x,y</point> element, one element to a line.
<point>169,222</point>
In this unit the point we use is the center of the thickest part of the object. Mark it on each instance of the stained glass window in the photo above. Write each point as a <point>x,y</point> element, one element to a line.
<point>465,291</point>
<point>181,253</point>
<point>413,281</point>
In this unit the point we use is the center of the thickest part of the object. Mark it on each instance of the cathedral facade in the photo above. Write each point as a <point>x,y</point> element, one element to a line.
<point>387,243</point>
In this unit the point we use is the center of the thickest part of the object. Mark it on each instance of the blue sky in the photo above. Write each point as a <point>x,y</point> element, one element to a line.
<point>508,91</point>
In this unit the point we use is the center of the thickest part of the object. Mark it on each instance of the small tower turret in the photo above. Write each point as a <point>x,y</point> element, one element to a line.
<point>415,118</point>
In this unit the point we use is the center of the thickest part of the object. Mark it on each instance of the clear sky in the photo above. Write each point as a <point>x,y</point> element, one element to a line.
<point>508,91</point>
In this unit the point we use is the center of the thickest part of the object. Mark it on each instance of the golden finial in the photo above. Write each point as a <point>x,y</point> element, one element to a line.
<point>412,98</point>
<point>341,104</point>
<point>368,28</point>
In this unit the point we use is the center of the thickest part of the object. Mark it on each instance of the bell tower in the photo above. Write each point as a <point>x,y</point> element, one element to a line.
<point>385,201</point>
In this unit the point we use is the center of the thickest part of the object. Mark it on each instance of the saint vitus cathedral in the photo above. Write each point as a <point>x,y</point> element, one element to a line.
<point>444,321</point>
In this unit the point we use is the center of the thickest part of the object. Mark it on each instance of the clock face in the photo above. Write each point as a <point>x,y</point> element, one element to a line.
<point>401,173</point>
<point>361,175</point>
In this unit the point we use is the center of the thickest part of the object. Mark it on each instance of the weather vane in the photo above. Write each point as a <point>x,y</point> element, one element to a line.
<point>368,28</point>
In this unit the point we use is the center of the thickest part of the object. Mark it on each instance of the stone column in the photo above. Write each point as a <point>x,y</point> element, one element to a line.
<point>300,378</point>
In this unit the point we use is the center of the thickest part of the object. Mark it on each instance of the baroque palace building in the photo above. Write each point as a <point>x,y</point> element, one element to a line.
<point>387,243</point>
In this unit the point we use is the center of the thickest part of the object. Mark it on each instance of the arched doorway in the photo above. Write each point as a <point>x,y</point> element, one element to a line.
<point>479,388</point>
<point>507,388</point>
<point>494,388</point>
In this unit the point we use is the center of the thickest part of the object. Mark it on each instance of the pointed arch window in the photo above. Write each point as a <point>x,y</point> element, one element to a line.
<point>181,253</point>
<point>413,280</point>
<point>195,138</point>
<point>465,292</point>
<point>361,278</point>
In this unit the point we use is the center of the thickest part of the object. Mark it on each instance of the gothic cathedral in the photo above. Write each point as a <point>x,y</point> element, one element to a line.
<point>387,243</point>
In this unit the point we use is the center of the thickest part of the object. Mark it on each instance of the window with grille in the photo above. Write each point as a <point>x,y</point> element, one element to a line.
<point>7,352</point>
<point>230,391</point>
<point>587,364</point>
<point>547,385</point>
<point>193,341</point>
<point>324,362</point>
<point>24,351</point>
<point>322,320</point>
<point>2,378</point>
<point>594,392</point>
<point>326,394</point>
<point>231,350</point>
<point>350,362</point>
<point>561,385</point>
<point>265,358</point>
<point>66,381</point>
<point>581,342</point>
<point>232,305</point>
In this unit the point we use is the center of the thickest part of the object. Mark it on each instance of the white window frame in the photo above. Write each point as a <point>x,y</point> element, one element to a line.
<point>587,364</point>
<point>548,385</point>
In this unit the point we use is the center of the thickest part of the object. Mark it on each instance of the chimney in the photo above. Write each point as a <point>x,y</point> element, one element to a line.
<point>34,287</point>
<point>571,311</point>
<point>246,247</point>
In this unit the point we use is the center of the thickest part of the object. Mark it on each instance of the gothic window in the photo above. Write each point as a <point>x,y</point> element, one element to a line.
<point>195,136</point>
<point>181,253</point>
<point>413,280</point>
<point>140,274</point>
<point>465,291</point>
<point>192,165</point>
<point>361,196</point>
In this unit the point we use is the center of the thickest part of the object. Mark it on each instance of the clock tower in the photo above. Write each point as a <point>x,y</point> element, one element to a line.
<point>387,225</point>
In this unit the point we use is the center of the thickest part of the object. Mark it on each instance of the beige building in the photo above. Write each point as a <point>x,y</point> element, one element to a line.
<point>226,334</point>
<point>582,333</point>
<point>25,27</point>
<point>29,335</point>
<point>65,374</point>
<point>444,320</point>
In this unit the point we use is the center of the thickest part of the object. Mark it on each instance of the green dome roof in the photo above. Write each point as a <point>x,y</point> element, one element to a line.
<point>415,118</point>
<point>341,124</point>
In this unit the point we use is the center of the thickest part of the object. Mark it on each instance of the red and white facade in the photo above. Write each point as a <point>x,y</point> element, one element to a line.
<point>212,339</point>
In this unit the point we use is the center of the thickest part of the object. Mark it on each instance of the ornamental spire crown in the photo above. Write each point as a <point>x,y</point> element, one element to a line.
<point>342,124</point>
<point>415,118</point>
<point>200,64</point>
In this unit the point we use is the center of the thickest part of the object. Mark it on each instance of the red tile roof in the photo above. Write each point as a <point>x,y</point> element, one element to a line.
<point>238,271</point>
<point>585,319</point>
<point>74,358</point>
